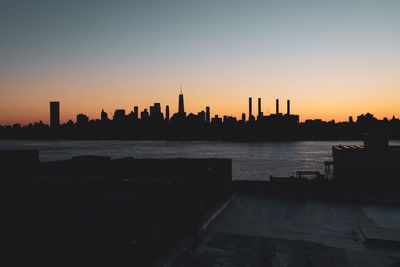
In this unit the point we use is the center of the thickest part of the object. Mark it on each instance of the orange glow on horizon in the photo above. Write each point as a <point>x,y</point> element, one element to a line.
<point>332,59</point>
<point>28,96</point>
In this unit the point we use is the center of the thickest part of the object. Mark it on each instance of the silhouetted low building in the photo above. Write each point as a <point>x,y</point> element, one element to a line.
<point>375,164</point>
<point>82,119</point>
<point>216,120</point>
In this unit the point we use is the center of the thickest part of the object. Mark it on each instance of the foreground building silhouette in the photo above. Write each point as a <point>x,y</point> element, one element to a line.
<point>94,210</point>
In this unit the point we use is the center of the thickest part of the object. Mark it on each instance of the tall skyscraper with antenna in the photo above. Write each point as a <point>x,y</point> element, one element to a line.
<point>181,109</point>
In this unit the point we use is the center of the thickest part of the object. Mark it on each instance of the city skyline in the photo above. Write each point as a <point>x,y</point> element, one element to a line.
<point>200,132</point>
<point>254,109</point>
<point>155,112</point>
<point>333,59</point>
<point>152,124</point>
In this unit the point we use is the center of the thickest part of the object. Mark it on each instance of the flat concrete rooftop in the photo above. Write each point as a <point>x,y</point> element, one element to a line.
<point>258,230</point>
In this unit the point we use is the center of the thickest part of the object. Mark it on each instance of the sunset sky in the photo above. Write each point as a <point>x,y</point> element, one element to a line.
<point>333,59</point>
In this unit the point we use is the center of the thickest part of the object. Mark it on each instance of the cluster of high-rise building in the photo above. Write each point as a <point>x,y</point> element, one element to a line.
<point>155,114</point>
<point>157,122</point>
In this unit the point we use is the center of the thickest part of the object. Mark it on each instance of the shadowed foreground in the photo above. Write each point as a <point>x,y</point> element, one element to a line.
<point>92,210</point>
<point>257,230</point>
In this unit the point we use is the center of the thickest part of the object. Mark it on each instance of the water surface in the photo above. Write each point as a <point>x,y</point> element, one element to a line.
<point>250,161</point>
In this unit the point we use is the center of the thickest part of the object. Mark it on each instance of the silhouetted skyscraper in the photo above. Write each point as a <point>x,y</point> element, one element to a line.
<point>54,114</point>
<point>157,107</point>
<point>201,115</point>
<point>136,112</point>
<point>208,118</point>
<point>144,115</point>
<point>155,112</point>
<point>152,111</point>
<point>104,116</point>
<point>277,106</point>
<point>288,107</point>
<point>167,112</point>
<point>181,109</point>
<point>119,115</point>
<point>250,111</point>
<point>243,117</point>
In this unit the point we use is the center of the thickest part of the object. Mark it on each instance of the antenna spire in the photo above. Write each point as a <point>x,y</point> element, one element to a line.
<point>181,88</point>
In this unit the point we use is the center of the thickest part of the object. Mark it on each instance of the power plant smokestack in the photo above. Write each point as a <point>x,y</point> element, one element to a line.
<point>250,113</point>
<point>277,106</point>
<point>259,107</point>
<point>288,107</point>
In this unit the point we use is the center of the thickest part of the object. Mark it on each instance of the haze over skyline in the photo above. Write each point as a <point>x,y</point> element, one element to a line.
<point>332,59</point>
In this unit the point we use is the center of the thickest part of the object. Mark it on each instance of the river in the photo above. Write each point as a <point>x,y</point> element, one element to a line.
<point>250,161</point>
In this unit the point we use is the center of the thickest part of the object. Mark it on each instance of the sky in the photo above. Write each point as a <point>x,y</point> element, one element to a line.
<point>332,59</point>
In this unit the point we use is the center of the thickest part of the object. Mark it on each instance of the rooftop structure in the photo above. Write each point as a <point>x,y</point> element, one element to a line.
<point>374,163</point>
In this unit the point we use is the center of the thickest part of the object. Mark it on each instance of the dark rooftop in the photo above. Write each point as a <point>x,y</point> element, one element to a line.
<point>260,230</point>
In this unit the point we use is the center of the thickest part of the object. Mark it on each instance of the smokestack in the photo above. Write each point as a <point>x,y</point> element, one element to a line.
<point>277,106</point>
<point>288,107</point>
<point>250,114</point>
<point>259,107</point>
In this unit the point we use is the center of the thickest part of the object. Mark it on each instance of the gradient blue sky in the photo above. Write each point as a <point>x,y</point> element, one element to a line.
<point>331,58</point>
